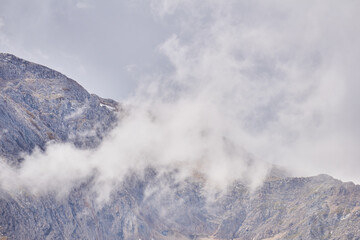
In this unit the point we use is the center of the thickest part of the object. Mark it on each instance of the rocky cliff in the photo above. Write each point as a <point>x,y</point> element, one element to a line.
<point>38,105</point>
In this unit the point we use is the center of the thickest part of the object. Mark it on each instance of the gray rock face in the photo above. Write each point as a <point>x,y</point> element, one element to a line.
<point>38,105</point>
<point>291,208</point>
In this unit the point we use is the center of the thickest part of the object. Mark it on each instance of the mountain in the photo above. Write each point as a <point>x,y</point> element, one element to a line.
<point>39,105</point>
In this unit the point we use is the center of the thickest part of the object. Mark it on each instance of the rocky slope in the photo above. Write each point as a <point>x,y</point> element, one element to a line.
<point>38,105</point>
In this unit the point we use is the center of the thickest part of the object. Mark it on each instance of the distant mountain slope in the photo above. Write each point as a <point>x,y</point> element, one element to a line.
<point>291,208</point>
<point>38,105</point>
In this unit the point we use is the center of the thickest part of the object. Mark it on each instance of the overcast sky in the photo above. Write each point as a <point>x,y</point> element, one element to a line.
<point>278,78</point>
<point>100,44</point>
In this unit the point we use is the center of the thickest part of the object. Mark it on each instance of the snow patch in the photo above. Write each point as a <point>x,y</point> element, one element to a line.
<point>111,108</point>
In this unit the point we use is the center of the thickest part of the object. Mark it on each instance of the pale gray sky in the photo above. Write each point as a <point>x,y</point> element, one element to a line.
<point>101,44</point>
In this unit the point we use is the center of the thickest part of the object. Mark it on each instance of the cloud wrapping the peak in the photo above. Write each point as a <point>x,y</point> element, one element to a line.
<point>282,73</point>
<point>251,84</point>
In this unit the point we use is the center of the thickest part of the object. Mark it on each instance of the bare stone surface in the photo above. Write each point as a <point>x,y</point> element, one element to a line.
<point>38,105</point>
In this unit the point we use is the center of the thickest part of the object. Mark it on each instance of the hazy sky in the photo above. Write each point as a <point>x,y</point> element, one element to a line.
<point>279,80</point>
<point>101,44</point>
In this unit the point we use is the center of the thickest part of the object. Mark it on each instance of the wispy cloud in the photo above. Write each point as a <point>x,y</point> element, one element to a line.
<point>252,83</point>
<point>282,72</point>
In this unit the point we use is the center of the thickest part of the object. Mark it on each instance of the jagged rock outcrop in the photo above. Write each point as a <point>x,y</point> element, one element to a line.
<point>38,105</point>
<point>291,208</point>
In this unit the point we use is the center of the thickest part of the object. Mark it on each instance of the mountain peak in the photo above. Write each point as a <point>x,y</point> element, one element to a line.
<point>38,104</point>
<point>12,68</point>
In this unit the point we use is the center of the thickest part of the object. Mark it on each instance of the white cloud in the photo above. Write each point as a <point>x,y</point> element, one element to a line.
<point>253,83</point>
<point>281,72</point>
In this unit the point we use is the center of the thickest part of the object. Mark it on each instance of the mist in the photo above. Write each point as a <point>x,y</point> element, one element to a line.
<point>246,85</point>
